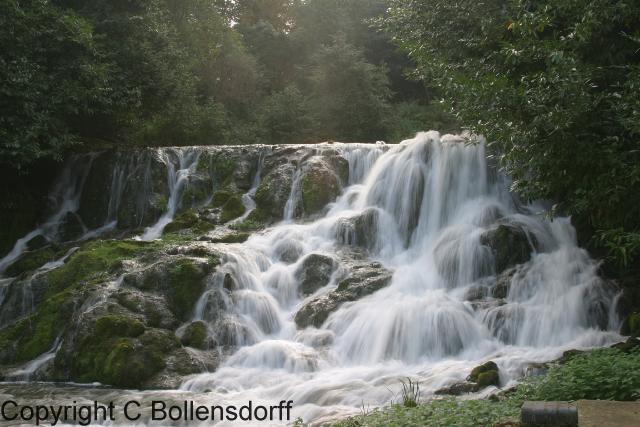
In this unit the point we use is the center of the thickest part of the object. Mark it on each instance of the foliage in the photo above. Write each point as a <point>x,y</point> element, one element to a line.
<point>604,374</point>
<point>410,393</point>
<point>607,374</point>
<point>554,85</point>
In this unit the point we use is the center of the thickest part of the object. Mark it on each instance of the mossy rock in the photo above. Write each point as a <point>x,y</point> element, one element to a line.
<point>631,325</point>
<point>485,379</point>
<point>186,285</point>
<point>249,224</point>
<point>320,186</point>
<point>95,260</point>
<point>485,367</point>
<point>117,325</point>
<point>237,237</point>
<point>195,335</point>
<point>36,334</point>
<point>230,204</point>
<point>33,260</point>
<point>188,220</point>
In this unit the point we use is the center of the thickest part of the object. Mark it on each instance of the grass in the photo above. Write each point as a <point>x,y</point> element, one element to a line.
<point>603,374</point>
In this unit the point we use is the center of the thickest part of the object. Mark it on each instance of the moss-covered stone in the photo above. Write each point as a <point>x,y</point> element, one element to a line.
<point>117,325</point>
<point>485,379</point>
<point>29,338</point>
<point>186,284</point>
<point>237,237</point>
<point>188,220</point>
<point>485,368</point>
<point>319,187</point>
<point>195,335</point>
<point>230,204</point>
<point>95,260</point>
<point>631,325</point>
<point>33,260</point>
<point>249,224</point>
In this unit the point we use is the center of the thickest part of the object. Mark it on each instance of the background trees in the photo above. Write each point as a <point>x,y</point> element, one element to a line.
<point>173,72</point>
<point>554,85</point>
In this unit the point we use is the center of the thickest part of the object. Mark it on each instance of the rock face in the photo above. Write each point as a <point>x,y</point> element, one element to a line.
<point>364,279</point>
<point>272,194</point>
<point>321,182</point>
<point>509,244</point>
<point>360,230</point>
<point>314,273</point>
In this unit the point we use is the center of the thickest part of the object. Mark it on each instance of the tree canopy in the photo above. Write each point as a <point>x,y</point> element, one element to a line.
<point>554,86</point>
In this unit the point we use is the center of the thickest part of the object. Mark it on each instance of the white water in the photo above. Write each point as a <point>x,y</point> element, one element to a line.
<point>435,197</point>
<point>177,176</point>
<point>66,198</point>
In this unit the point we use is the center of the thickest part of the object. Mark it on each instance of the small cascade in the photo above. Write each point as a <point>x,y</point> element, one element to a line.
<point>30,369</point>
<point>295,196</point>
<point>65,198</point>
<point>432,212</point>
<point>177,175</point>
<point>247,198</point>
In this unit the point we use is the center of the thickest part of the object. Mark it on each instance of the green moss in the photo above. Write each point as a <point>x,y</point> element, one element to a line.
<point>95,260</point>
<point>116,325</point>
<point>188,220</point>
<point>195,335</point>
<point>186,285</point>
<point>36,334</point>
<point>220,197</point>
<point>195,196</point>
<point>486,367</point>
<point>238,237</point>
<point>232,209</point>
<point>32,260</point>
<point>632,325</point>
<point>249,224</point>
<point>218,165</point>
<point>488,378</point>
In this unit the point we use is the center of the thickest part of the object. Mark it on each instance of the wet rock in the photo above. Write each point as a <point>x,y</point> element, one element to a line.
<point>230,205</point>
<point>288,251</point>
<point>71,228</point>
<point>229,283</point>
<point>360,230</point>
<point>364,279</point>
<point>320,185</point>
<point>629,345</point>
<point>37,242</point>
<point>33,260</point>
<point>314,273</point>
<point>485,375</point>
<point>180,280</point>
<point>96,192</point>
<point>457,389</point>
<point>273,192</point>
<point>631,325</point>
<point>195,335</point>
<point>509,244</point>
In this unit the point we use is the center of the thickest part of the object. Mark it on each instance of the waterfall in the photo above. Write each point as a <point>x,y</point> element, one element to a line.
<point>436,200</point>
<point>428,213</point>
<point>65,197</point>
<point>177,176</point>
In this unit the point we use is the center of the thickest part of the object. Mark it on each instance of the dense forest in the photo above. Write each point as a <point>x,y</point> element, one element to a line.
<point>192,72</point>
<point>196,200</point>
<point>552,85</point>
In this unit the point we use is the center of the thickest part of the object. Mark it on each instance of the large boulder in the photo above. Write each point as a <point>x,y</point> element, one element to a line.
<point>314,273</point>
<point>485,375</point>
<point>364,279</point>
<point>509,244</point>
<point>145,192</point>
<point>320,184</point>
<point>359,230</point>
<point>273,192</point>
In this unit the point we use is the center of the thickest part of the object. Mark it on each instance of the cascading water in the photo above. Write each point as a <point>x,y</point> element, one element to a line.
<point>435,199</point>
<point>66,199</point>
<point>426,214</point>
<point>178,174</point>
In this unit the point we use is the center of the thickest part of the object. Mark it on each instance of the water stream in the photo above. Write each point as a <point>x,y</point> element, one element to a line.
<point>434,198</point>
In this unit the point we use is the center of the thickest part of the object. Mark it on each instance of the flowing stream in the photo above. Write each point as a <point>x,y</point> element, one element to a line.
<point>434,198</point>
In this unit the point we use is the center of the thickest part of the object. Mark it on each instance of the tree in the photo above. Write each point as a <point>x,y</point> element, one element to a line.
<point>554,86</point>
<point>349,96</point>
<point>53,73</point>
